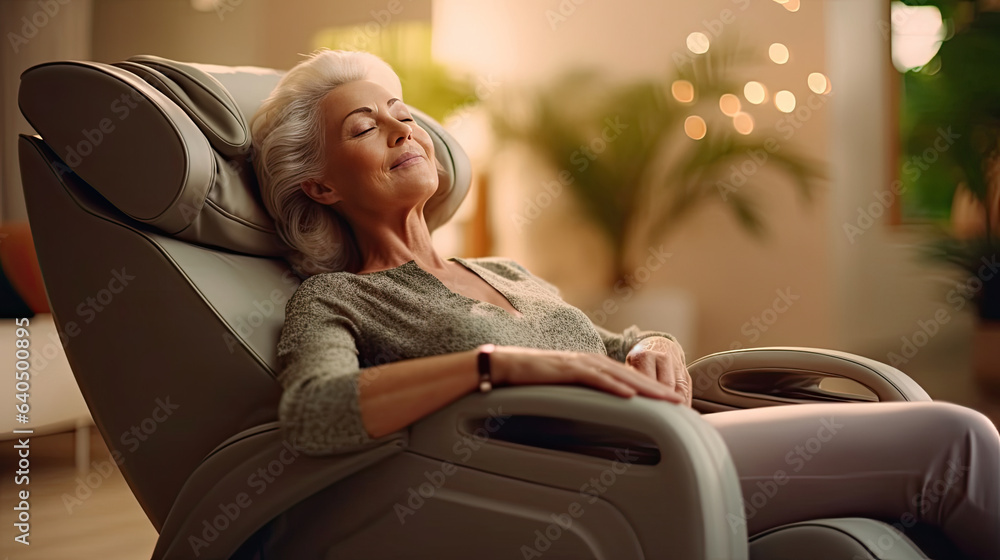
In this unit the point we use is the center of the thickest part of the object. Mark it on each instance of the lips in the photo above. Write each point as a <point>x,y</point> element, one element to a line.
<point>406,159</point>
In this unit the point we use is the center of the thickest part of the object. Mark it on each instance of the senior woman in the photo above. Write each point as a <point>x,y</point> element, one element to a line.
<point>384,331</point>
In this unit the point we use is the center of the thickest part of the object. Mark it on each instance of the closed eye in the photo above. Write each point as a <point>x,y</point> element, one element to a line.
<point>363,132</point>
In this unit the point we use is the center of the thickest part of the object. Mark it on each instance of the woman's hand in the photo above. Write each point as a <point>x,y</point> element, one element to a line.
<point>663,360</point>
<point>512,365</point>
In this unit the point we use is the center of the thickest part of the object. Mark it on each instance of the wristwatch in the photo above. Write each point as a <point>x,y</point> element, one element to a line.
<point>483,366</point>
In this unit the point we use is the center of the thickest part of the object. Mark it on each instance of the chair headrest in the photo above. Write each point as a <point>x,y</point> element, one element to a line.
<point>168,144</point>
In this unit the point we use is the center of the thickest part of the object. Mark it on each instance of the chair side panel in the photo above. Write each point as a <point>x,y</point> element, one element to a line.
<point>147,349</point>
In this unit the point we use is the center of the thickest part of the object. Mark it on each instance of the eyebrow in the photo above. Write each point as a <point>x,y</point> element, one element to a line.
<point>369,109</point>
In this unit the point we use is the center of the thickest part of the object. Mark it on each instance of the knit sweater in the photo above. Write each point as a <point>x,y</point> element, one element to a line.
<point>338,324</point>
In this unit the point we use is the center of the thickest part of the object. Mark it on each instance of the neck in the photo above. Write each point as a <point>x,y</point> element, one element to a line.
<point>384,244</point>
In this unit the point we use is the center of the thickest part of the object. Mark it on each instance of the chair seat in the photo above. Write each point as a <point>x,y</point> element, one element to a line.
<point>855,538</point>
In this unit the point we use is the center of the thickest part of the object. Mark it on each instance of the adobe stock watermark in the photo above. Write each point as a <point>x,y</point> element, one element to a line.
<point>923,501</point>
<point>755,160</point>
<point>758,325</point>
<point>435,480</point>
<point>263,309</point>
<point>626,287</point>
<point>581,158</point>
<point>752,329</point>
<point>132,439</point>
<point>363,35</point>
<point>898,17</point>
<point>562,12</point>
<point>797,458</point>
<point>91,138</point>
<point>32,25</point>
<point>486,86</point>
<point>711,27</point>
<point>223,7</point>
<point>959,296</point>
<point>913,168</point>
<point>590,491</point>
<point>229,511</point>
<point>87,310</point>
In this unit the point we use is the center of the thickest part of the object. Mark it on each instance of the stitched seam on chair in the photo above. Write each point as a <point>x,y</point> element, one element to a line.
<point>222,102</point>
<point>236,218</point>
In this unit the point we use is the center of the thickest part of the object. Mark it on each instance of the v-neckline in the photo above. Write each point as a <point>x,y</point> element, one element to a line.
<point>468,266</point>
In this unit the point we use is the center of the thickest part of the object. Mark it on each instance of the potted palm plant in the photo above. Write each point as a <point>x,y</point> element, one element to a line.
<point>638,165</point>
<point>959,91</point>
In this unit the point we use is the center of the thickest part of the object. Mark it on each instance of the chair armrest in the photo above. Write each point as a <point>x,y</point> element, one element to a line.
<point>754,377</point>
<point>673,477</point>
<point>244,483</point>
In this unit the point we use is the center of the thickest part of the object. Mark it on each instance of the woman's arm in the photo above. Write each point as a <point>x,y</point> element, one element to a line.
<point>396,395</point>
<point>393,396</point>
<point>331,405</point>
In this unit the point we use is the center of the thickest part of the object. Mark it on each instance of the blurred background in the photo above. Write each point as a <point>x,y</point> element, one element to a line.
<point>737,172</point>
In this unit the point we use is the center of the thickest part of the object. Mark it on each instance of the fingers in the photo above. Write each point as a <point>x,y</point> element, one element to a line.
<point>683,385</point>
<point>663,359</point>
<point>637,381</point>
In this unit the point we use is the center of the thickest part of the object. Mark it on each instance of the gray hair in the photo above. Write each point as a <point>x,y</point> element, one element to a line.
<point>288,137</point>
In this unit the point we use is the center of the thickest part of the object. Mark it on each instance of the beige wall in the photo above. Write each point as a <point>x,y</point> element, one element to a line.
<point>252,32</point>
<point>33,33</point>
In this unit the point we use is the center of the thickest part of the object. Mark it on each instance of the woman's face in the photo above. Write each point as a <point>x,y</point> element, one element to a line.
<point>377,158</point>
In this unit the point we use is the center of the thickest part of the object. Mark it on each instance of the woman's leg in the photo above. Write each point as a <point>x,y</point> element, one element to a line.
<point>906,463</point>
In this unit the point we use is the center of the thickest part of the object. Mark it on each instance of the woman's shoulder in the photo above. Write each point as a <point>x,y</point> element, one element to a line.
<point>327,286</point>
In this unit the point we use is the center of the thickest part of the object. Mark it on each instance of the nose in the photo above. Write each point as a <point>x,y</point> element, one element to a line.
<point>401,134</point>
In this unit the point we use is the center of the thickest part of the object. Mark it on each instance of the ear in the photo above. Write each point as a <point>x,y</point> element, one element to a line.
<point>320,192</point>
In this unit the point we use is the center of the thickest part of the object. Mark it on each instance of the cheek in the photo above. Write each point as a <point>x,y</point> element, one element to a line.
<point>424,139</point>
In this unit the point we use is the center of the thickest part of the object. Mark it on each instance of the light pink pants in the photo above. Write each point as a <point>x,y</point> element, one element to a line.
<point>904,463</point>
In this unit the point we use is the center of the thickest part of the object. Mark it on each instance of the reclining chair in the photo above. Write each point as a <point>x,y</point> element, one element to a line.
<point>166,280</point>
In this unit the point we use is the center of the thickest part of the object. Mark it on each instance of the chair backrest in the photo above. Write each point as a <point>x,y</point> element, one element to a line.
<point>162,267</point>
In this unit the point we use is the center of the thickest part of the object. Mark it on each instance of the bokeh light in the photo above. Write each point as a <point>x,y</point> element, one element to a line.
<point>694,127</point>
<point>698,42</point>
<point>683,91</point>
<point>818,82</point>
<point>729,104</point>
<point>755,92</point>
<point>778,53</point>
<point>743,123</point>
<point>784,100</point>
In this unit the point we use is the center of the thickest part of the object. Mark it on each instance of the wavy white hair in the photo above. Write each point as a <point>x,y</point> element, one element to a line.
<point>288,135</point>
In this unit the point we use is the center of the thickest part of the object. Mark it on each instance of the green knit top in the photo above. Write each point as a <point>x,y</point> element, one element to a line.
<point>338,324</point>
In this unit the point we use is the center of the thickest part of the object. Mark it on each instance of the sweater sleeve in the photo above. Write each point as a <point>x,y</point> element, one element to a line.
<point>617,345</point>
<point>318,357</point>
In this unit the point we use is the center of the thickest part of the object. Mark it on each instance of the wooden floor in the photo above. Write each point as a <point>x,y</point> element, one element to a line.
<point>109,524</point>
<point>69,519</point>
